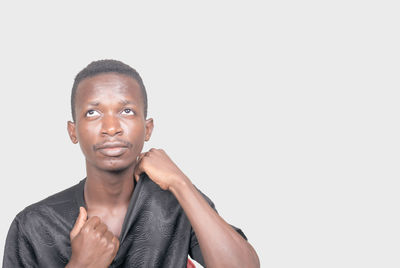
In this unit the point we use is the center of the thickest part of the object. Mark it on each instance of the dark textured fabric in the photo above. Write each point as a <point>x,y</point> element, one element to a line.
<point>155,232</point>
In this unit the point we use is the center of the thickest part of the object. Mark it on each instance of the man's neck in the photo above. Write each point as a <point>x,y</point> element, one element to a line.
<point>108,190</point>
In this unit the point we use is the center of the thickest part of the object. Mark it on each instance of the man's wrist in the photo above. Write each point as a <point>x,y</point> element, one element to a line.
<point>73,264</point>
<point>180,184</point>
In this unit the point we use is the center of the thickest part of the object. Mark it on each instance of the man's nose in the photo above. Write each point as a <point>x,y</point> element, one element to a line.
<point>111,126</point>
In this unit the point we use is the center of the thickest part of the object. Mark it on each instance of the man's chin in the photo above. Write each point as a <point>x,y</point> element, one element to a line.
<point>116,166</point>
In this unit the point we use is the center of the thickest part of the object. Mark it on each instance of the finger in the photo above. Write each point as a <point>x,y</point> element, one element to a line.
<point>139,167</point>
<point>92,223</point>
<point>109,236</point>
<point>101,228</point>
<point>80,221</point>
<point>115,241</point>
<point>139,159</point>
<point>137,173</point>
<point>141,155</point>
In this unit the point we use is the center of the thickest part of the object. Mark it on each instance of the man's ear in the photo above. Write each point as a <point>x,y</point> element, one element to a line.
<point>149,128</point>
<point>72,132</point>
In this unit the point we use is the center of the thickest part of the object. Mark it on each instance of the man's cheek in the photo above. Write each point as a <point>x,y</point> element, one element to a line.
<point>137,149</point>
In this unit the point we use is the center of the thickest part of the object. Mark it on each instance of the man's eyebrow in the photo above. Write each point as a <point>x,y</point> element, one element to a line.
<point>94,103</point>
<point>126,102</point>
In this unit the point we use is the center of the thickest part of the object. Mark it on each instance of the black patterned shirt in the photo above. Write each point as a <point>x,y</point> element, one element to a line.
<point>155,233</point>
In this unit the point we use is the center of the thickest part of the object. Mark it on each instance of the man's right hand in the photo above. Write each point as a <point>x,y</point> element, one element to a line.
<point>92,244</point>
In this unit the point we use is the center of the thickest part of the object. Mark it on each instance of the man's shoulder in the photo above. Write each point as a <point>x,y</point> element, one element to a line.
<point>61,204</point>
<point>164,198</point>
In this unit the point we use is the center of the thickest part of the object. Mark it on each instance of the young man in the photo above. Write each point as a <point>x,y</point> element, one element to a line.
<point>133,209</point>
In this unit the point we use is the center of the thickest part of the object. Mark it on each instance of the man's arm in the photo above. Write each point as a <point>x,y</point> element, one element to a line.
<point>18,251</point>
<point>220,244</point>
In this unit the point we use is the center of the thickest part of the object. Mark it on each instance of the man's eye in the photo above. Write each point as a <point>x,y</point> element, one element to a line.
<point>128,111</point>
<point>92,113</point>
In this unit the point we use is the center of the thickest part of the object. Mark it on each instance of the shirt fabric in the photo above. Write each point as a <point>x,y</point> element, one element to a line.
<point>155,233</point>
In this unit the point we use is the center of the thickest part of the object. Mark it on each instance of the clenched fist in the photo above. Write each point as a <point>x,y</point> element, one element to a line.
<point>160,168</point>
<point>92,244</point>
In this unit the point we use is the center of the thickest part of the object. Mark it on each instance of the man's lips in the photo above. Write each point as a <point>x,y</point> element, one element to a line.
<point>112,148</point>
<point>113,151</point>
<point>108,145</point>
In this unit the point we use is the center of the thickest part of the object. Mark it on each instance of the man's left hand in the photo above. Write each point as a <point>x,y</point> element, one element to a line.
<point>159,167</point>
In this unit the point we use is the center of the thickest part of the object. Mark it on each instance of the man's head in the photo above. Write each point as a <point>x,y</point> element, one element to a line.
<point>107,66</point>
<point>109,108</point>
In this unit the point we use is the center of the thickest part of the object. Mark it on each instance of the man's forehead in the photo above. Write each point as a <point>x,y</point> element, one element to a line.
<point>97,102</point>
<point>108,85</point>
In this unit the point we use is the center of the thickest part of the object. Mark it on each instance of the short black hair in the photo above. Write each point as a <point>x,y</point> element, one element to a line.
<point>107,66</point>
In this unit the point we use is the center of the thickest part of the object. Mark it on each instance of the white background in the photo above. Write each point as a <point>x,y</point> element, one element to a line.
<point>285,113</point>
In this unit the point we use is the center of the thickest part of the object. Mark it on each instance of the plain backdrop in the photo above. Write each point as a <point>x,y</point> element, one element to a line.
<point>285,113</point>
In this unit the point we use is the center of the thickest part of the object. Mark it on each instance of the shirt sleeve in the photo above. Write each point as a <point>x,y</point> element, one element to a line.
<point>194,249</point>
<point>18,251</point>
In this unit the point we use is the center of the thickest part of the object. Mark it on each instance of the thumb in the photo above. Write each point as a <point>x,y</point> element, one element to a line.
<point>137,173</point>
<point>80,221</point>
<point>138,168</point>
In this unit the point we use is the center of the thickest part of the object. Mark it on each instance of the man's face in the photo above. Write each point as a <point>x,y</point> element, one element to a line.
<point>110,125</point>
